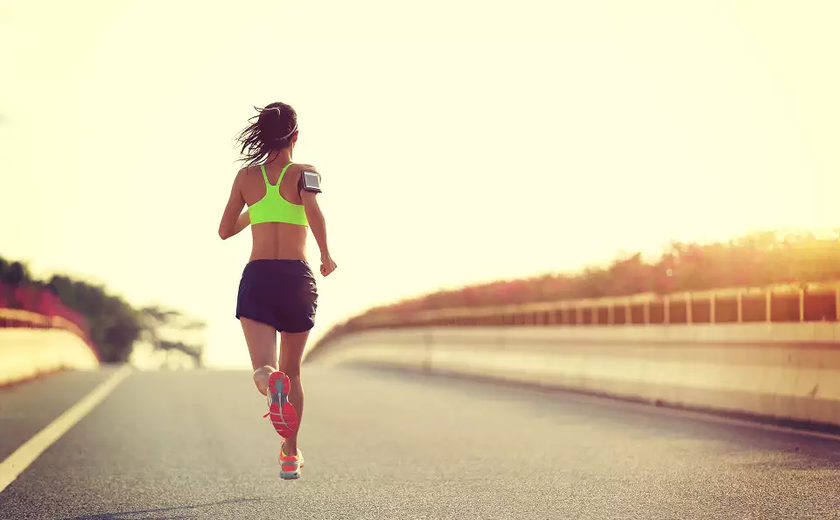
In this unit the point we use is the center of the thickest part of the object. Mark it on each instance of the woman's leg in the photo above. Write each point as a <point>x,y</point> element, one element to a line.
<point>262,344</point>
<point>291,352</point>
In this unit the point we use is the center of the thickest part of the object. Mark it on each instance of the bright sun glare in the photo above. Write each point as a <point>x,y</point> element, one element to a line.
<point>458,141</point>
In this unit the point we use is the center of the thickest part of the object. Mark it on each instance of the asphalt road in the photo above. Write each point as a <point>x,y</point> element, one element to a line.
<point>379,444</point>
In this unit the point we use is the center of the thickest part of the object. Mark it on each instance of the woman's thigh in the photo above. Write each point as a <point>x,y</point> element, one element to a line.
<point>262,342</point>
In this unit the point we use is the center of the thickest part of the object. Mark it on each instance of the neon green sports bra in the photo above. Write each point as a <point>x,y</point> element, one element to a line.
<point>274,208</point>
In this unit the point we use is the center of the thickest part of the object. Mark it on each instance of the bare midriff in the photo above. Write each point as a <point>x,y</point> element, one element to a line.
<point>278,241</point>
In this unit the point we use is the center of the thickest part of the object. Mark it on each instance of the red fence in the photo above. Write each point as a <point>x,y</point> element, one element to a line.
<point>31,307</point>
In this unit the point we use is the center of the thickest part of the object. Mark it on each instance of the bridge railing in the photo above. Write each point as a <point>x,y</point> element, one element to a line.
<point>31,307</point>
<point>800,303</point>
<point>769,352</point>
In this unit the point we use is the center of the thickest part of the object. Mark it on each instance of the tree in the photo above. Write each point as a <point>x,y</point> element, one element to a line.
<point>156,323</point>
<point>113,326</point>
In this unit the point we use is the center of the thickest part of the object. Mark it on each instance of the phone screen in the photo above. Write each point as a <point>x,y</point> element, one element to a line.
<point>310,180</point>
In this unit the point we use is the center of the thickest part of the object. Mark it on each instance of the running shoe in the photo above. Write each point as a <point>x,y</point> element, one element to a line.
<point>290,466</point>
<point>282,414</point>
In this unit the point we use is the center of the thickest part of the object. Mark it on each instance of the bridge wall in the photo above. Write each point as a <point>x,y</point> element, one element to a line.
<point>787,371</point>
<point>32,344</point>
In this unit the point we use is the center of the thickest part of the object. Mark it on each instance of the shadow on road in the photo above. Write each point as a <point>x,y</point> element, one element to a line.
<point>164,512</point>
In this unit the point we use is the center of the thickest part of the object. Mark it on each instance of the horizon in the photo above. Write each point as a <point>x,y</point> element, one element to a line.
<point>648,257</point>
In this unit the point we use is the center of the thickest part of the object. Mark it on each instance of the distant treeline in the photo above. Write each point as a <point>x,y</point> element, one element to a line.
<point>112,324</point>
<point>756,260</point>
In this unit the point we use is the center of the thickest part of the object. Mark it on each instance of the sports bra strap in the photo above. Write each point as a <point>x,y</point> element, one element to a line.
<point>283,173</point>
<point>262,169</point>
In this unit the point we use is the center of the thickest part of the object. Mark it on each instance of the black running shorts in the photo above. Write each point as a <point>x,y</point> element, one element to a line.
<point>280,293</point>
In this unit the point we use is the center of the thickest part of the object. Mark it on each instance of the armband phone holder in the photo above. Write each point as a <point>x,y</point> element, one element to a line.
<point>310,180</point>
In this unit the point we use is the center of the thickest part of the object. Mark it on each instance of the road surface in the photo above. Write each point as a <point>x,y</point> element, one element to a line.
<point>381,444</point>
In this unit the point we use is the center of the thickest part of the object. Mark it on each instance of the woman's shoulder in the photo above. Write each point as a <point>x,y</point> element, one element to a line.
<point>243,171</point>
<point>305,166</point>
<point>299,167</point>
<point>246,171</point>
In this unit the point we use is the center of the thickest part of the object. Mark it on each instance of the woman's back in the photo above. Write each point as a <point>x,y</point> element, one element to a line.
<point>275,240</point>
<point>281,196</point>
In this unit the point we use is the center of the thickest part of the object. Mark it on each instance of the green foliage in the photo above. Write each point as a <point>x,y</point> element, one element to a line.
<point>114,325</point>
<point>13,273</point>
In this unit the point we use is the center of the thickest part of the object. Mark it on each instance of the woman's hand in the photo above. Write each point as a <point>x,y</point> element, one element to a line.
<point>327,265</point>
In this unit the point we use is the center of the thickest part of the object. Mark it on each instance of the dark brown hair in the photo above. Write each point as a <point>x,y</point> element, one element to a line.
<point>271,129</point>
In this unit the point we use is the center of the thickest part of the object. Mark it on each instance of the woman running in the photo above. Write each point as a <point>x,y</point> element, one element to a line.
<point>277,292</point>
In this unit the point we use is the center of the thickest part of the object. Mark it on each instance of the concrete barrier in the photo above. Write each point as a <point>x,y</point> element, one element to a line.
<point>29,352</point>
<point>783,371</point>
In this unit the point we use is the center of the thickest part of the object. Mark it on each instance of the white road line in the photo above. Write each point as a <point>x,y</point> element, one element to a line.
<point>18,461</point>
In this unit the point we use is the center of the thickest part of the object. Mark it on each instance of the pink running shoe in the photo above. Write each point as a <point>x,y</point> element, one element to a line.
<point>283,415</point>
<point>290,466</point>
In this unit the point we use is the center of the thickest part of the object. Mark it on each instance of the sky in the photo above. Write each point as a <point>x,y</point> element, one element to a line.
<point>458,141</point>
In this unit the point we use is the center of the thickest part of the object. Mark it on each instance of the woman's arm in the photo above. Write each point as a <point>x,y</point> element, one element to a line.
<point>319,229</point>
<point>232,221</point>
<point>242,222</point>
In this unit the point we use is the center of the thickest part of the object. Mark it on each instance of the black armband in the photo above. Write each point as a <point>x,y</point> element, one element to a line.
<point>310,180</point>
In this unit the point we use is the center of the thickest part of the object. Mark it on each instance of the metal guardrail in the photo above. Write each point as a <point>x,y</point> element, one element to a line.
<point>775,304</point>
